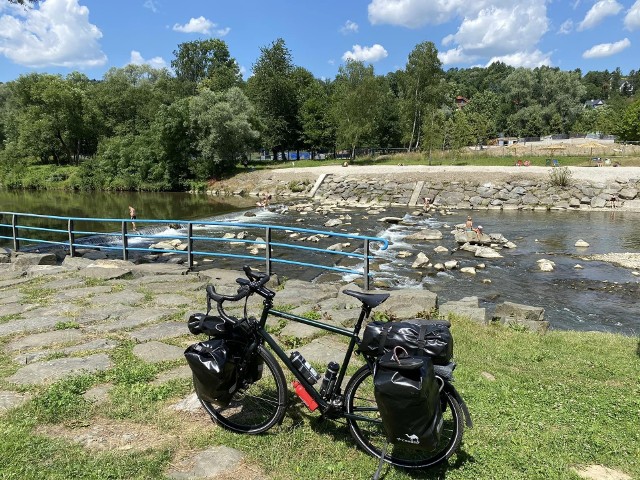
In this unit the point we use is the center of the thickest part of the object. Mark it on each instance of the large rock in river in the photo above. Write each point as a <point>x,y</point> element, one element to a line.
<point>425,234</point>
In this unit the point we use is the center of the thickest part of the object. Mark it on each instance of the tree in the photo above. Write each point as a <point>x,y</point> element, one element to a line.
<point>207,62</point>
<point>221,124</point>
<point>318,127</point>
<point>629,129</point>
<point>273,92</point>
<point>420,88</point>
<point>355,101</point>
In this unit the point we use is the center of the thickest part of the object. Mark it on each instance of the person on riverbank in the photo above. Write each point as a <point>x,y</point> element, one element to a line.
<point>426,204</point>
<point>132,214</point>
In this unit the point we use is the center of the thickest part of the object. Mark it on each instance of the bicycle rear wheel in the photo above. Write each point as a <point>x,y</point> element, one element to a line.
<point>258,406</point>
<point>370,436</point>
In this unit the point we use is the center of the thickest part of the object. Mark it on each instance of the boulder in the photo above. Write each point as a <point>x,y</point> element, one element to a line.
<point>487,252</point>
<point>517,311</point>
<point>469,270</point>
<point>546,265</point>
<point>409,303</point>
<point>29,259</point>
<point>581,243</point>
<point>421,261</point>
<point>451,264</point>
<point>425,234</point>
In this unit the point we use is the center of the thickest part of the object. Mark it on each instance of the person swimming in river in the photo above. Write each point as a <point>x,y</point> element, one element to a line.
<point>264,203</point>
<point>132,214</point>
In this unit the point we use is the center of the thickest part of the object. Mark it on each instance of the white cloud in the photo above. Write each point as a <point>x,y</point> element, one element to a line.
<point>155,62</point>
<point>201,25</point>
<point>566,27</point>
<point>454,55</point>
<point>632,18</point>
<point>151,5</point>
<point>523,59</point>
<point>349,27</point>
<point>58,33</point>
<point>606,49</point>
<point>601,10</point>
<point>496,31</point>
<point>366,54</point>
<point>412,13</point>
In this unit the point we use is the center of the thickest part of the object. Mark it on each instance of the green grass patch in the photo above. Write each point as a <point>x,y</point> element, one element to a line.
<point>67,325</point>
<point>541,404</point>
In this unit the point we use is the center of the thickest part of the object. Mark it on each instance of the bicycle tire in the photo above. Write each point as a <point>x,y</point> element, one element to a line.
<point>257,407</point>
<point>370,436</point>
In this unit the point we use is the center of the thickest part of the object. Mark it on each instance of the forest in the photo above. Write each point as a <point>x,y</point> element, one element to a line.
<point>139,128</point>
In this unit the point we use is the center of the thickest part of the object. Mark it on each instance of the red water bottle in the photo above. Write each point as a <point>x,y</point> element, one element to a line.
<point>304,396</point>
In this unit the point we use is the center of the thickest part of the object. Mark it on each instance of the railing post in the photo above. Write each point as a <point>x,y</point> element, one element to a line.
<point>190,245</point>
<point>125,241</point>
<point>366,264</point>
<point>267,255</point>
<point>14,229</point>
<point>72,239</point>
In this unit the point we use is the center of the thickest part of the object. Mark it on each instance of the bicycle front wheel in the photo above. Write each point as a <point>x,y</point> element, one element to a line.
<point>258,406</point>
<point>370,436</point>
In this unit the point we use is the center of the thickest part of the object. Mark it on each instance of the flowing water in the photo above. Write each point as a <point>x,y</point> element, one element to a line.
<point>600,296</point>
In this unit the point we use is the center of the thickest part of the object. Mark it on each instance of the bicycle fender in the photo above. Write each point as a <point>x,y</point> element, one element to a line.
<point>452,390</point>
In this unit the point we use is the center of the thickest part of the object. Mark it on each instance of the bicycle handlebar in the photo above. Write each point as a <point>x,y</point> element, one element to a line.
<point>254,284</point>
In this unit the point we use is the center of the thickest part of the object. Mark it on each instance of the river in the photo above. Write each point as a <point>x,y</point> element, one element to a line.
<point>599,296</point>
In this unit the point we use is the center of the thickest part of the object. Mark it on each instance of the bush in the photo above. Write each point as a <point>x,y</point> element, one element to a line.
<point>560,176</point>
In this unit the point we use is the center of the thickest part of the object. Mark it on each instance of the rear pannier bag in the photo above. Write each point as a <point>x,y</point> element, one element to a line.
<point>408,398</point>
<point>214,371</point>
<point>418,337</point>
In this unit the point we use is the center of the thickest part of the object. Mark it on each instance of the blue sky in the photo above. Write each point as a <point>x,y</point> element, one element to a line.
<point>60,36</point>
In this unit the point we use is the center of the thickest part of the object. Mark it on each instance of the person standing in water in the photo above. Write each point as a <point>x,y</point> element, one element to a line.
<point>132,214</point>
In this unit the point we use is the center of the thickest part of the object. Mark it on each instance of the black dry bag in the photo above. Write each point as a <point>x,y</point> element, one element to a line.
<point>417,336</point>
<point>214,371</point>
<point>408,398</point>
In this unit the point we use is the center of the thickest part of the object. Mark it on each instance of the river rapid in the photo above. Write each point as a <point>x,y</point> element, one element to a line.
<point>600,296</point>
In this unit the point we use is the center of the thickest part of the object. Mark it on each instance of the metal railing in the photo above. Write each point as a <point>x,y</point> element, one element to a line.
<point>64,233</point>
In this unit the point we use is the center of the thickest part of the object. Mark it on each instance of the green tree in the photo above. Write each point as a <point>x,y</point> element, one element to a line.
<point>420,89</point>
<point>208,62</point>
<point>629,128</point>
<point>355,102</point>
<point>273,92</point>
<point>318,127</point>
<point>221,124</point>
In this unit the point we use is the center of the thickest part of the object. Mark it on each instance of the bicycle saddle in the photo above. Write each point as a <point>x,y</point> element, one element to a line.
<point>371,300</point>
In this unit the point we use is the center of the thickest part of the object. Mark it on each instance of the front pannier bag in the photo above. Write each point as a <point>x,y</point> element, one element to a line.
<point>408,398</point>
<point>418,337</point>
<point>214,371</point>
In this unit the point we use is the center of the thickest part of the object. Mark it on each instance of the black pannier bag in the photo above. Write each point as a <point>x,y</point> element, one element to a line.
<point>418,337</point>
<point>214,371</point>
<point>408,398</point>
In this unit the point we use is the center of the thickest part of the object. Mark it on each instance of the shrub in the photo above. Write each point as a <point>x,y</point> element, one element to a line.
<point>560,176</point>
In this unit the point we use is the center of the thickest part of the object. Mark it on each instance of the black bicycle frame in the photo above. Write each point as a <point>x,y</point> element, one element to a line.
<point>275,347</point>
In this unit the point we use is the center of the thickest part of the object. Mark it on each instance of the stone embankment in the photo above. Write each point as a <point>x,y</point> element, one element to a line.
<point>506,188</point>
<point>62,316</point>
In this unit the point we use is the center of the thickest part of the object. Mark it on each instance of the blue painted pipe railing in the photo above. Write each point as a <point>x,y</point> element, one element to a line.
<point>28,233</point>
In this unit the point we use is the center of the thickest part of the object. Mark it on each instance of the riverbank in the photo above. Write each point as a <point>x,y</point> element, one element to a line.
<point>93,384</point>
<point>463,187</point>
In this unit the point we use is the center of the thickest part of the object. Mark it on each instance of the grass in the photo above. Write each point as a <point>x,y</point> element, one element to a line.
<point>550,403</point>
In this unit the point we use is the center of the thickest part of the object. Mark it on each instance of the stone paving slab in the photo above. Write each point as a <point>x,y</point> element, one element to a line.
<point>11,296</point>
<point>64,283</point>
<point>99,393</point>
<point>85,292</point>
<point>172,287</point>
<point>104,273</point>
<point>172,300</point>
<point>14,308</point>
<point>201,466</point>
<point>133,318</point>
<point>156,352</point>
<point>160,269</point>
<point>9,400</point>
<point>14,279</point>
<point>160,331</point>
<point>325,349</point>
<point>50,371</point>
<point>169,278</point>
<point>31,324</point>
<point>46,339</point>
<point>39,270</point>
<point>98,344</point>
<point>125,297</point>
